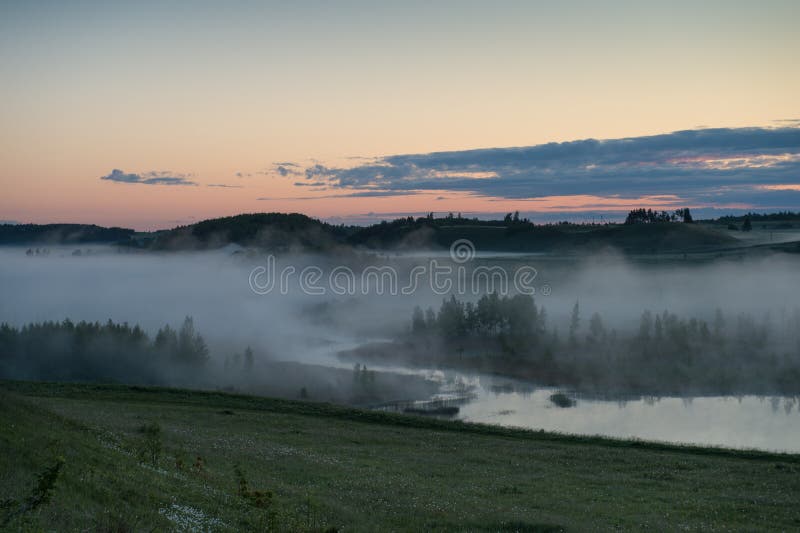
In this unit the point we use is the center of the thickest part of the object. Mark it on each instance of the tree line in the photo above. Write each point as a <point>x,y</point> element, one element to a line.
<point>662,352</point>
<point>91,351</point>
<point>648,216</point>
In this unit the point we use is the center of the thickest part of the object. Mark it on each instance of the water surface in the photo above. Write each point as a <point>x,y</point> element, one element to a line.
<point>767,423</point>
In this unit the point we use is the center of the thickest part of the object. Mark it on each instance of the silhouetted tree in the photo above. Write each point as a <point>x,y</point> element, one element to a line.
<point>574,323</point>
<point>451,319</point>
<point>685,214</point>
<point>658,329</point>
<point>192,349</point>
<point>596,328</point>
<point>647,216</point>
<point>645,325</point>
<point>248,359</point>
<point>418,320</point>
<point>430,318</point>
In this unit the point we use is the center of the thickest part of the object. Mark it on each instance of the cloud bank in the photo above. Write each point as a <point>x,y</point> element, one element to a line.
<point>719,166</point>
<point>149,178</point>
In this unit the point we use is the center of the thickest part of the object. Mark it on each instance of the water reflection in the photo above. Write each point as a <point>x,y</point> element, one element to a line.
<point>766,423</point>
<point>741,422</point>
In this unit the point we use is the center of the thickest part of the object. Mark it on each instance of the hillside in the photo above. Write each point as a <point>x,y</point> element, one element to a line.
<point>296,232</point>
<point>119,458</point>
<point>50,234</point>
<point>655,237</point>
<point>274,231</point>
<point>638,238</point>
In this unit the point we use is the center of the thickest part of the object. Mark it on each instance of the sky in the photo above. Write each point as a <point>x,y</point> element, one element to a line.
<point>153,114</point>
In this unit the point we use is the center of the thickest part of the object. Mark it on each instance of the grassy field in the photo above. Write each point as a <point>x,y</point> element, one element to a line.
<point>117,458</point>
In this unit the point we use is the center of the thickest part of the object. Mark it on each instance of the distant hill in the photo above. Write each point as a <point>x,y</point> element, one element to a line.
<point>298,232</point>
<point>61,234</point>
<point>638,238</point>
<point>527,237</point>
<point>780,216</point>
<point>282,232</point>
<point>274,231</point>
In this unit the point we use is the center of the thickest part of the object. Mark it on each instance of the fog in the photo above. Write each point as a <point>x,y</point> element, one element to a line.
<point>622,289</point>
<point>154,289</point>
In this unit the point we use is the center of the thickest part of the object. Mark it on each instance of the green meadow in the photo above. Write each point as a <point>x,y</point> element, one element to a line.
<point>121,458</point>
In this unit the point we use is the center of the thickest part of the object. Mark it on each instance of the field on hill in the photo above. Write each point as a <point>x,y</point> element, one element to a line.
<point>117,458</point>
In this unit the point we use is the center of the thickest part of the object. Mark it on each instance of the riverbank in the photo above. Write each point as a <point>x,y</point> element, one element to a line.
<point>355,470</point>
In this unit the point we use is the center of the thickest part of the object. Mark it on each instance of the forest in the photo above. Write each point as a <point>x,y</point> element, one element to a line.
<point>665,354</point>
<point>110,352</point>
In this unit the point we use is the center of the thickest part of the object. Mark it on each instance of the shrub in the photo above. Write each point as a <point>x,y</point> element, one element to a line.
<point>258,498</point>
<point>151,443</point>
<point>40,495</point>
<point>562,400</point>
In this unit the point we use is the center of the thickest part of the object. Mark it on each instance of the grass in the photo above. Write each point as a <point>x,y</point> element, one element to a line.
<point>231,462</point>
